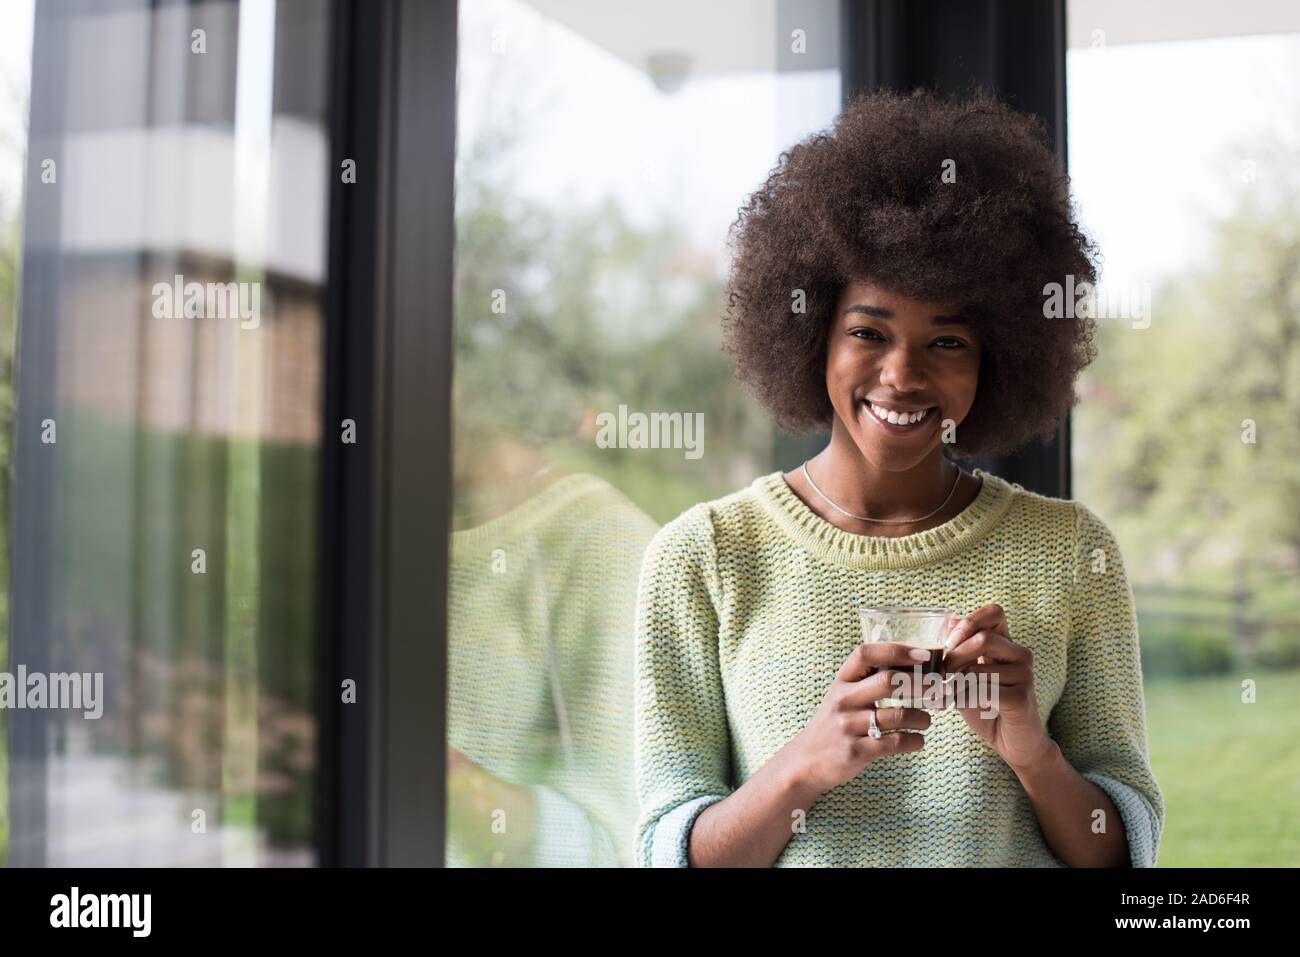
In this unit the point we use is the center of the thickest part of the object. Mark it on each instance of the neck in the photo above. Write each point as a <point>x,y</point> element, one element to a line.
<point>493,477</point>
<point>857,485</point>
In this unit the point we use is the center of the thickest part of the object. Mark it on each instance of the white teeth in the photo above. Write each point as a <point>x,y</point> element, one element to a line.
<point>898,418</point>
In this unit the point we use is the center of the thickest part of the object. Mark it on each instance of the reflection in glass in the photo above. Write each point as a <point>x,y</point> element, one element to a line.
<point>15,75</point>
<point>540,671</point>
<point>167,538</point>
<point>600,161</point>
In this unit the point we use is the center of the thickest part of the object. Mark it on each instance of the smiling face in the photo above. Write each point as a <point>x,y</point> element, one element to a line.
<point>896,368</point>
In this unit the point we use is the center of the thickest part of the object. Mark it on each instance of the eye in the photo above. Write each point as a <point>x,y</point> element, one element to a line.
<point>871,335</point>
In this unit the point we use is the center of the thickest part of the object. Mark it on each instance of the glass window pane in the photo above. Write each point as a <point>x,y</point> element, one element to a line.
<point>602,154</point>
<point>168,432</point>
<point>1184,146</point>
<point>15,77</point>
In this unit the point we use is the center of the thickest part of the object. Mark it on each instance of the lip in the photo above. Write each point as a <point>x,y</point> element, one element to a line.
<point>892,429</point>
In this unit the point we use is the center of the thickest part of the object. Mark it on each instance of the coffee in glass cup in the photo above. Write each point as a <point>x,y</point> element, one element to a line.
<point>925,628</point>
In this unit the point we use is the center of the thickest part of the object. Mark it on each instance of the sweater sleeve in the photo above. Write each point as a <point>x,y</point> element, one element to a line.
<point>682,737</point>
<point>1100,720</point>
<point>591,678</point>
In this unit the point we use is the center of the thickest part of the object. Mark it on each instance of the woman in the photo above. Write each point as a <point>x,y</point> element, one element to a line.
<point>888,285</point>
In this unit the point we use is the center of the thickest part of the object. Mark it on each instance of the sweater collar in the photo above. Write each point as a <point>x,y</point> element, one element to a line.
<point>872,551</point>
<point>527,515</point>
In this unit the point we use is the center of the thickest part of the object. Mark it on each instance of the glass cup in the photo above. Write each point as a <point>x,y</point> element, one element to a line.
<point>925,628</point>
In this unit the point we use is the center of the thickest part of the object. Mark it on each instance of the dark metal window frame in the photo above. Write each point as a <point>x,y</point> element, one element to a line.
<point>385,502</point>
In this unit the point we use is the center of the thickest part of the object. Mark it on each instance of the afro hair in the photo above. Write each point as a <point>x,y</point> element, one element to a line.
<point>868,199</point>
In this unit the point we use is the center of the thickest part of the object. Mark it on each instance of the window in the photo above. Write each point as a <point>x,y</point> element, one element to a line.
<point>601,157</point>
<point>1184,129</point>
<point>168,432</point>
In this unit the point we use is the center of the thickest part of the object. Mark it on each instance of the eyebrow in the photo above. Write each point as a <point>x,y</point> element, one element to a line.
<point>879,312</point>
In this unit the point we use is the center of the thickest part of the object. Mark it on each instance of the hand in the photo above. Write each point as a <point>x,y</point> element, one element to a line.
<point>476,788</point>
<point>981,644</point>
<point>475,798</point>
<point>458,761</point>
<point>464,772</point>
<point>469,784</point>
<point>835,745</point>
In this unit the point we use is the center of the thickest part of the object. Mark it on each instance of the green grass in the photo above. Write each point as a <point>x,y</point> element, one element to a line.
<point>1229,771</point>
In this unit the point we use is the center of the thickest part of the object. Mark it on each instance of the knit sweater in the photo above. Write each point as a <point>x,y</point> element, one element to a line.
<point>747,607</point>
<point>539,690</point>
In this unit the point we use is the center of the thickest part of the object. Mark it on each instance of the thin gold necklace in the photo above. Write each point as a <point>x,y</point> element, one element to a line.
<point>883,521</point>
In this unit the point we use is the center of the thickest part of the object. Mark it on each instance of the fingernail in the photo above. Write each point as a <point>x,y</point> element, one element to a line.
<point>919,654</point>
<point>952,638</point>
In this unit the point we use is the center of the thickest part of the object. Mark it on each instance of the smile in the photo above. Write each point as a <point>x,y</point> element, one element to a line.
<point>900,422</point>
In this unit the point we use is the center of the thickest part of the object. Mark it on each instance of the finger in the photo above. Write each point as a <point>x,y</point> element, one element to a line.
<point>869,656</point>
<point>988,645</point>
<point>990,616</point>
<point>897,682</point>
<point>1009,676</point>
<point>888,719</point>
<point>888,744</point>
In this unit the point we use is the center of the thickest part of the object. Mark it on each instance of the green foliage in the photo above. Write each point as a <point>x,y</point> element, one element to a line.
<point>1162,446</point>
<point>564,312</point>
<point>222,660</point>
<point>1177,648</point>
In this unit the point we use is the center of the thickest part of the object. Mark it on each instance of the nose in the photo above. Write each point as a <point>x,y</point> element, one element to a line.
<point>903,370</point>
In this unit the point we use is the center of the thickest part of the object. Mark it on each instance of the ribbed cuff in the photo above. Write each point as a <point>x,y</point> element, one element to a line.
<point>672,832</point>
<point>1140,823</point>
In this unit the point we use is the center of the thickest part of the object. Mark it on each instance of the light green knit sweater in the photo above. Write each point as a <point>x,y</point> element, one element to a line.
<point>747,607</point>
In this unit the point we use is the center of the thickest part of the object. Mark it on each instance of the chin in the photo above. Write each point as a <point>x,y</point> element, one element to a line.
<point>888,455</point>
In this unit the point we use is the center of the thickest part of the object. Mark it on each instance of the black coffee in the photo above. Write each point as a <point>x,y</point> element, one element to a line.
<point>933,666</point>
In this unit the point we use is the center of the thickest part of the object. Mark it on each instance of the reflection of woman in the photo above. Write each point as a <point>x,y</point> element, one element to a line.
<point>894,269</point>
<point>540,664</point>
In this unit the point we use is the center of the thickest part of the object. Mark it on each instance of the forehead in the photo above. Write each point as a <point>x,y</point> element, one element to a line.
<point>872,294</point>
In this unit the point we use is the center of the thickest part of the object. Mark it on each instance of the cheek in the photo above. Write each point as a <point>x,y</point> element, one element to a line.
<point>843,368</point>
<point>971,377</point>
<point>963,368</point>
<point>965,382</point>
